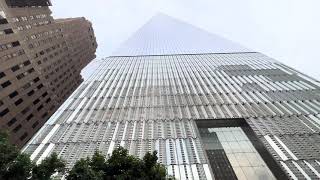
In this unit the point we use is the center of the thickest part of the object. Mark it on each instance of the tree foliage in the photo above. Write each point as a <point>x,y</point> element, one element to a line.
<point>120,165</point>
<point>48,167</point>
<point>15,165</point>
<point>83,170</point>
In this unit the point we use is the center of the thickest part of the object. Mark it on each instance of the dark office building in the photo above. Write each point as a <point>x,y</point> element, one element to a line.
<point>210,107</point>
<point>40,63</point>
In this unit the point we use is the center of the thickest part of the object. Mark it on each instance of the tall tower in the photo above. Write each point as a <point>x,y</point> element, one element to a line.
<point>41,60</point>
<point>210,107</point>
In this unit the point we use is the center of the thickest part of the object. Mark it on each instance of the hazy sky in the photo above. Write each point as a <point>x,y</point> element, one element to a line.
<point>287,30</point>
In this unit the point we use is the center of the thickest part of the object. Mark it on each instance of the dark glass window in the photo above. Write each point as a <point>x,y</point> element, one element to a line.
<point>25,110</point>
<point>40,86</point>
<point>14,94</point>
<point>40,107</point>
<point>44,115</point>
<point>16,43</point>
<point>232,147</point>
<point>31,70</point>
<point>11,122</point>
<point>4,112</point>
<point>26,63</point>
<point>29,117</point>
<point>35,124</point>
<point>19,101</point>
<point>44,94</point>
<point>20,76</point>
<point>16,129</point>
<point>23,136</point>
<point>48,100</point>
<point>26,86</point>
<point>31,93</point>
<point>36,79</point>
<point>2,74</point>
<point>6,84</point>
<point>3,21</point>
<point>15,68</point>
<point>8,31</point>
<point>36,101</point>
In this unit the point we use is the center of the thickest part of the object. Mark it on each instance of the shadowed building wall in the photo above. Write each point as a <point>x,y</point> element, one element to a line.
<point>40,63</point>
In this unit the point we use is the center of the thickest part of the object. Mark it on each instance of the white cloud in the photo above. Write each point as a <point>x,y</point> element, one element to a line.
<point>287,30</point>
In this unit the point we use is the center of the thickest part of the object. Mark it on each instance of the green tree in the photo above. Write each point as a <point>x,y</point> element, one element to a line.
<point>153,169</point>
<point>97,162</point>
<point>15,165</point>
<point>8,153</point>
<point>19,168</point>
<point>120,165</point>
<point>48,167</point>
<point>82,170</point>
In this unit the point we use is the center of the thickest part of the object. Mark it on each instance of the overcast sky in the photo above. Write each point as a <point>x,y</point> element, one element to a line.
<point>287,30</point>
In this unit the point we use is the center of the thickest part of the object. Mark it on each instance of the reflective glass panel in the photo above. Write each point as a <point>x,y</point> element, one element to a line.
<point>232,155</point>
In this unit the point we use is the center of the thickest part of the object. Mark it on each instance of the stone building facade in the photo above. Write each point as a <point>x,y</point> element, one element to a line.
<point>40,63</point>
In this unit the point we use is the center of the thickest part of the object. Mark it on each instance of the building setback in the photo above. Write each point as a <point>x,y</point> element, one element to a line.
<point>211,108</point>
<point>40,63</point>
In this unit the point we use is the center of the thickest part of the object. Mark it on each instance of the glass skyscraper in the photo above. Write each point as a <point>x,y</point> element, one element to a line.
<point>210,107</point>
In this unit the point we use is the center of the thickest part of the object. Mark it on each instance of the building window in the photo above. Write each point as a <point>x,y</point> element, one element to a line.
<point>20,76</point>
<point>48,100</point>
<point>25,110</point>
<point>16,129</point>
<point>29,117</point>
<point>36,101</point>
<point>11,122</point>
<point>26,86</point>
<point>15,68</point>
<point>23,136</point>
<point>8,31</point>
<point>40,86</point>
<point>4,112</point>
<point>30,70</point>
<point>6,84</point>
<point>31,93</point>
<point>3,21</point>
<point>16,43</point>
<point>44,94</point>
<point>26,63</point>
<point>232,149</point>
<point>36,79</point>
<point>2,74</point>
<point>40,107</point>
<point>34,125</point>
<point>44,115</point>
<point>18,102</point>
<point>14,94</point>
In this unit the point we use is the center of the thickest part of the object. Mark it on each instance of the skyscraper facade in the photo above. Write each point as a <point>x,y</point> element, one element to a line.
<point>41,60</point>
<point>210,107</point>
